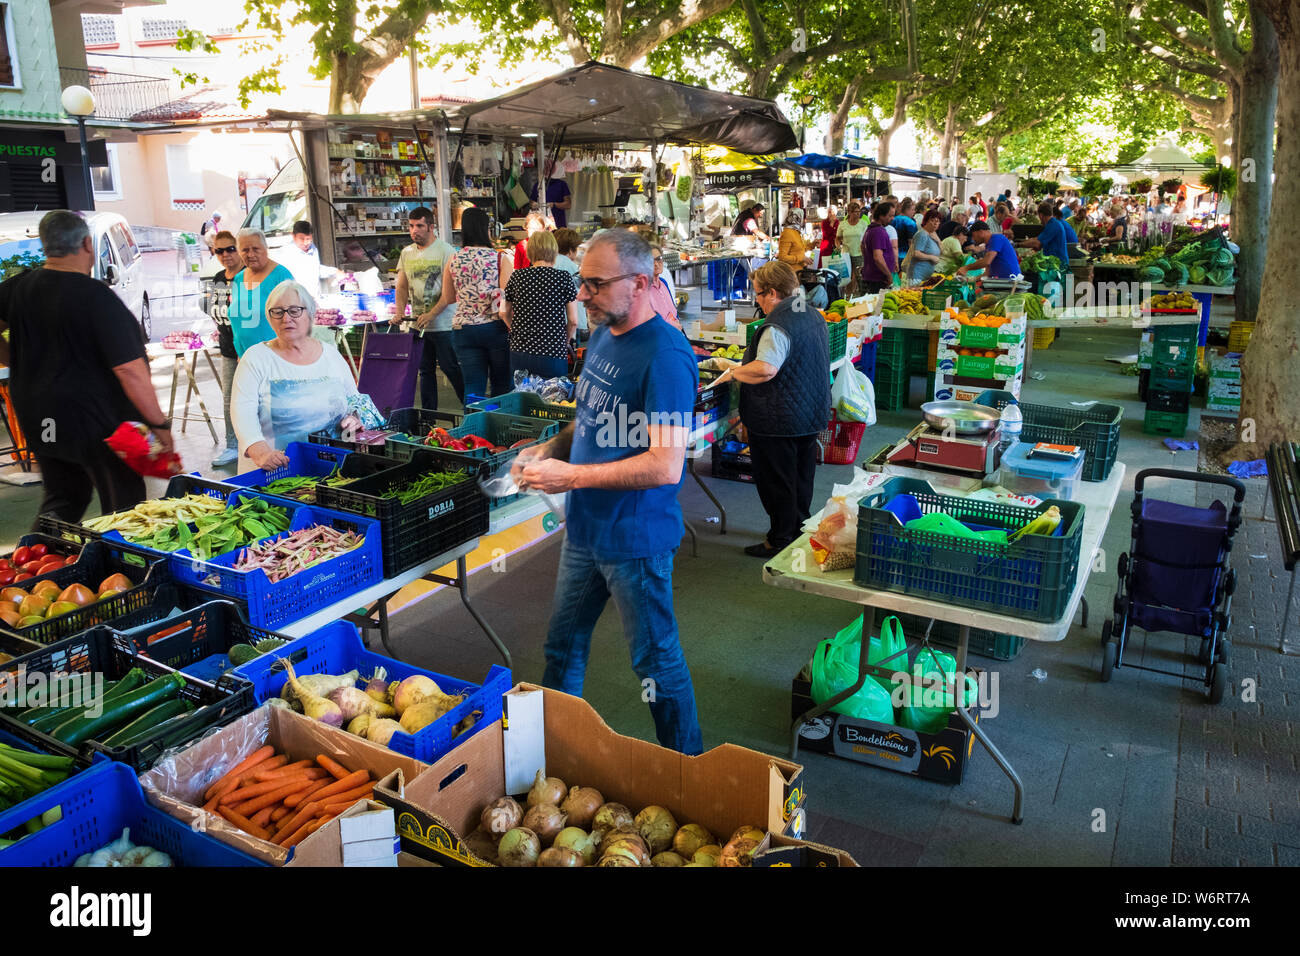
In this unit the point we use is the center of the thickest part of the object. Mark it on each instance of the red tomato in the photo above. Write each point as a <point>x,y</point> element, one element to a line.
<point>21,557</point>
<point>6,578</point>
<point>24,576</point>
<point>4,564</point>
<point>50,563</point>
<point>31,567</point>
<point>39,550</point>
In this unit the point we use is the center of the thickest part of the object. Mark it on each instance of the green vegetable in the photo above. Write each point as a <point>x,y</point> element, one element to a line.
<point>45,719</point>
<point>148,722</point>
<point>302,488</point>
<point>221,532</point>
<point>81,728</point>
<point>425,484</point>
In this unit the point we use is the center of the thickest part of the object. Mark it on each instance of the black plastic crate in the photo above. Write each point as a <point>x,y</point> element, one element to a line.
<point>100,651</point>
<point>1163,400</point>
<point>53,543</point>
<point>501,429</point>
<point>350,466</point>
<point>1000,647</point>
<point>195,642</point>
<point>98,560</point>
<point>732,465</point>
<point>66,531</point>
<point>414,532</point>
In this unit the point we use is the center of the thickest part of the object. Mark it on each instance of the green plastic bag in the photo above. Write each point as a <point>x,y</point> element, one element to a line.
<point>926,707</point>
<point>939,522</point>
<point>835,668</point>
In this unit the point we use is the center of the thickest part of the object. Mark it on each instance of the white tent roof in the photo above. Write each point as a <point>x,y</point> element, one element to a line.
<point>1165,158</point>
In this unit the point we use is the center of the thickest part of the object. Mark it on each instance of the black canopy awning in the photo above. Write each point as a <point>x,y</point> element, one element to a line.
<point>596,103</point>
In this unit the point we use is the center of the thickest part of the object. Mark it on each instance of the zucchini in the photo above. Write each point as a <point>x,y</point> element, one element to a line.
<point>81,728</point>
<point>53,716</point>
<point>147,722</point>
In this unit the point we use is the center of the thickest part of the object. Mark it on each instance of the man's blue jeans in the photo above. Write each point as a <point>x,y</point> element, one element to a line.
<point>642,589</point>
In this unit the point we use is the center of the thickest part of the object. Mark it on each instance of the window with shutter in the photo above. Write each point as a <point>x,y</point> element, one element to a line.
<point>8,55</point>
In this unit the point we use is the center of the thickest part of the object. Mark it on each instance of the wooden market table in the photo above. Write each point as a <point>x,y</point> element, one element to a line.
<point>1098,499</point>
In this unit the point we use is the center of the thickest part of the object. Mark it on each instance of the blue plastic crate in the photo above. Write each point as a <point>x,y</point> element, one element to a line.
<point>337,649</point>
<point>1032,578</point>
<point>312,461</point>
<point>272,605</point>
<point>96,806</point>
<point>527,404</point>
<point>22,812</point>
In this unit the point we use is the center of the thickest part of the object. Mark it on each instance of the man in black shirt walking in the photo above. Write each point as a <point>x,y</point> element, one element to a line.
<point>77,371</point>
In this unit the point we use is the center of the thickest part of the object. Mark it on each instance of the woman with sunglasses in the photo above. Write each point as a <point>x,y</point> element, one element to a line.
<point>288,386</point>
<point>216,303</point>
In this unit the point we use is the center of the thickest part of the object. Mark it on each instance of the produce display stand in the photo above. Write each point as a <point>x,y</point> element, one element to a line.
<point>190,371</point>
<point>1284,490</point>
<point>1098,499</point>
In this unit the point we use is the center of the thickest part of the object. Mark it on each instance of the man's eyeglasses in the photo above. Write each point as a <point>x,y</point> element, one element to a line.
<point>659,258</point>
<point>595,285</point>
<point>222,250</point>
<point>294,310</point>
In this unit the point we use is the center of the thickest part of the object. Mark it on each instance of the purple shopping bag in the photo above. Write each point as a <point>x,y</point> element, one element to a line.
<point>390,364</point>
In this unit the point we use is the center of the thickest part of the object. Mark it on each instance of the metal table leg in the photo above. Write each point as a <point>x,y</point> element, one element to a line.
<point>194,387</point>
<point>722,512</point>
<point>695,539</point>
<point>962,642</point>
<point>383,629</point>
<point>461,583</point>
<point>177,365</point>
<point>1286,613</point>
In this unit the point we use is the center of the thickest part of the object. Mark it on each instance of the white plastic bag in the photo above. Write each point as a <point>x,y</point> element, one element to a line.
<point>853,396</point>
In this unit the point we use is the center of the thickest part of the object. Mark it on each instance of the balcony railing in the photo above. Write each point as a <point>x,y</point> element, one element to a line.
<point>119,96</point>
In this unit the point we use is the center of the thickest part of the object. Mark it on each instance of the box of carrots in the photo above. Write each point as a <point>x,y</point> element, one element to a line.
<point>267,783</point>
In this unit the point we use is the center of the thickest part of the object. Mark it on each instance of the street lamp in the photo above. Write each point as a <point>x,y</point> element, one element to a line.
<point>79,103</point>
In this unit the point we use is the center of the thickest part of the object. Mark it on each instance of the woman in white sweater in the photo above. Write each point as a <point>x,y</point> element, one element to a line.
<point>288,386</point>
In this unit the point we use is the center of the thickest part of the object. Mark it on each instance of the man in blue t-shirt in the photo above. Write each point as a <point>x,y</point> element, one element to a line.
<point>1052,241</point>
<point>999,256</point>
<point>622,460</point>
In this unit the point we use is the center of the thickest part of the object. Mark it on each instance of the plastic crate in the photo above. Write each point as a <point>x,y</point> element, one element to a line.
<point>311,461</point>
<point>496,427</point>
<point>1032,578</point>
<point>526,404</point>
<point>1164,423</point>
<point>275,604</point>
<point>1043,338</point>
<point>337,649</point>
<point>96,807</point>
<point>1172,378</point>
<point>751,330</point>
<point>100,651</point>
<point>1095,429</point>
<point>866,361</point>
<point>1184,337</point>
<point>716,405</point>
<point>1239,335</point>
<point>837,337</point>
<point>1000,647</point>
<point>195,642</point>
<point>53,543</point>
<point>839,443</point>
<point>98,560</point>
<point>892,348</point>
<point>732,460</point>
<point>1160,400</point>
<point>431,525</point>
<point>891,387</point>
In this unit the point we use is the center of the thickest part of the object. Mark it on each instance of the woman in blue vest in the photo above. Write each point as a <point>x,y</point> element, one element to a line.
<point>785,402</point>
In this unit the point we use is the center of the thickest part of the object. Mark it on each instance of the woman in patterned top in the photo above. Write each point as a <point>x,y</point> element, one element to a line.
<point>540,312</point>
<point>473,280</point>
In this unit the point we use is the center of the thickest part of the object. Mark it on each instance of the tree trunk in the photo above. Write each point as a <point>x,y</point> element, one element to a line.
<point>1270,409</point>
<point>946,149</point>
<point>991,152</point>
<point>1253,158</point>
<point>348,84</point>
<point>841,117</point>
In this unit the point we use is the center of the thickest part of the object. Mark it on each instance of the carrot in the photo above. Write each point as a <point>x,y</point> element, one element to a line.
<point>211,805</point>
<point>261,775</point>
<point>248,763</point>
<point>294,821</point>
<point>297,799</point>
<point>351,796</point>
<point>267,799</point>
<point>262,818</point>
<point>333,809</point>
<point>343,784</point>
<point>257,789</point>
<point>245,824</point>
<point>306,830</point>
<point>333,766</point>
<point>279,814</point>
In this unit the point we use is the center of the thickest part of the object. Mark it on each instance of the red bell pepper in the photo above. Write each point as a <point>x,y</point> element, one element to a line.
<point>475,441</point>
<point>522,442</point>
<point>455,444</point>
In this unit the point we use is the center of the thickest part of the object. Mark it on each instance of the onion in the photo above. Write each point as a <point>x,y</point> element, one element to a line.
<point>418,716</point>
<point>381,730</point>
<point>546,820</point>
<point>617,861</point>
<point>656,826</point>
<point>667,858</point>
<point>519,847</point>
<point>690,838</point>
<point>546,790</point>
<point>697,864</point>
<point>377,688</point>
<point>748,832</point>
<point>414,689</point>
<point>559,856</point>
<point>625,851</point>
<point>708,855</point>
<point>482,845</point>
<point>613,816</point>
<point>575,838</point>
<point>628,838</point>
<point>738,852</point>
<point>501,815</point>
<point>581,805</point>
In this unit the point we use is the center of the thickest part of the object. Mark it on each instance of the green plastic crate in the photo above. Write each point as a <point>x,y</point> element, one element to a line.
<point>891,388</point>
<point>1000,647</point>
<point>1172,424</point>
<point>837,334</point>
<point>892,348</point>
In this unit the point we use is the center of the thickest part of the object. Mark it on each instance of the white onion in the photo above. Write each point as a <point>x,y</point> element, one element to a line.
<point>546,790</point>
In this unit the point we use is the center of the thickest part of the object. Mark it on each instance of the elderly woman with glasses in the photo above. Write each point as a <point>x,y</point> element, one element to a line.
<point>289,386</point>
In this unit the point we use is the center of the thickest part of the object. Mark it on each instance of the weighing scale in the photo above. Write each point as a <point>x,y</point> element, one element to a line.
<point>929,447</point>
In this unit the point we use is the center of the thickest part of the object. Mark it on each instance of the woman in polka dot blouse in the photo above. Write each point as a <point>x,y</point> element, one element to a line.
<point>541,312</point>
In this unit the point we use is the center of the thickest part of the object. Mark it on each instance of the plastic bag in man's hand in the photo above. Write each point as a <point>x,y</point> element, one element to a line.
<point>503,484</point>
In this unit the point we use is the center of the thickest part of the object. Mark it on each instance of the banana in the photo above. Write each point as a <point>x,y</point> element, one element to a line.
<point>1046,523</point>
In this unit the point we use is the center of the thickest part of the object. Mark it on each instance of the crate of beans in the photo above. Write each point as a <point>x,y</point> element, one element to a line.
<point>311,466</point>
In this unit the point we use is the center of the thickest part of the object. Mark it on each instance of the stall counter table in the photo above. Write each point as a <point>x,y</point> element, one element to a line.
<point>1098,499</point>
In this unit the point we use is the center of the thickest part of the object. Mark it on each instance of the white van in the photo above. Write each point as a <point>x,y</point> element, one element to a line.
<point>118,260</point>
<point>283,204</point>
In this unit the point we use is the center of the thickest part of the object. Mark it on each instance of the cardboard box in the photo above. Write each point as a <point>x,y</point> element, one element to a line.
<point>1011,334</point>
<point>176,785</point>
<point>867,305</point>
<point>334,843</point>
<point>941,757</point>
<point>777,850</point>
<point>722,789</point>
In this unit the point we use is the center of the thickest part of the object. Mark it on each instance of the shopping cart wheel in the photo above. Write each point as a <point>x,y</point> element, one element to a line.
<point>1225,651</point>
<point>1106,627</point>
<point>1203,654</point>
<point>1218,683</point>
<point>1108,661</point>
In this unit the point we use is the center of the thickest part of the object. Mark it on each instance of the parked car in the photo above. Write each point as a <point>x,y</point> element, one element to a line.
<point>118,260</point>
<point>283,204</point>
